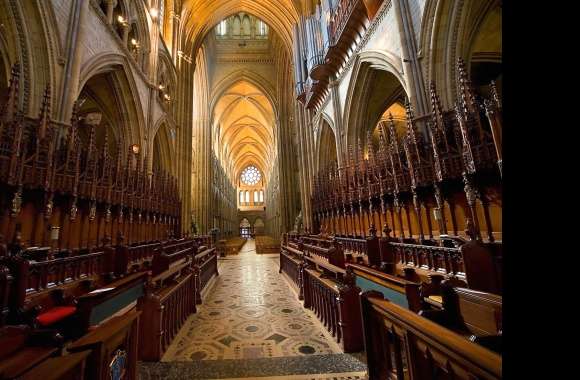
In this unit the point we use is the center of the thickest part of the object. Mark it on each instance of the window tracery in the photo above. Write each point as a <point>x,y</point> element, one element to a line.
<point>251,176</point>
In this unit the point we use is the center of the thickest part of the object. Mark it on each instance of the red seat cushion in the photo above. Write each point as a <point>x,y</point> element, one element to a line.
<point>55,314</point>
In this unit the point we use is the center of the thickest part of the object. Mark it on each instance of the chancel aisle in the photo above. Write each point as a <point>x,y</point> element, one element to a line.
<point>282,189</point>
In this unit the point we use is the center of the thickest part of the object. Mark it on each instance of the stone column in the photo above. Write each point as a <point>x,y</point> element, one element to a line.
<point>175,33</point>
<point>339,128</point>
<point>71,74</point>
<point>125,33</point>
<point>411,66</point>
<point>111,4</point>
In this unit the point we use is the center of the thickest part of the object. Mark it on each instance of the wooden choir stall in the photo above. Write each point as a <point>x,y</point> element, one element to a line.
<point>94,272</point>
<point>423,296</point>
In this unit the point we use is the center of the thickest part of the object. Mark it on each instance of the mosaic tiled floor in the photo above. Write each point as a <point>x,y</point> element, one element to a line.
<point>250,313</point>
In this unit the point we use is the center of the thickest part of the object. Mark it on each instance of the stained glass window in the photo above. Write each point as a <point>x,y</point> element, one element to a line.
<point>251,176</point>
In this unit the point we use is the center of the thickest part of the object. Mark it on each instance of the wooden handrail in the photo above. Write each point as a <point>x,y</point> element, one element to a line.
<point>378,276</point>
<point>59,367</point>
<point>423,335</point>
<point>293,250</point>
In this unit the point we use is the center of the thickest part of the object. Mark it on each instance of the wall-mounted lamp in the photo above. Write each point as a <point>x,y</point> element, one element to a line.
<point>121,20</point>
<point>135,148</point>
<point>154,13</point>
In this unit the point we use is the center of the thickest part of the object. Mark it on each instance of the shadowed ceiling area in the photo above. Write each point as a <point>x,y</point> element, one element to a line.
<point>243,129</point>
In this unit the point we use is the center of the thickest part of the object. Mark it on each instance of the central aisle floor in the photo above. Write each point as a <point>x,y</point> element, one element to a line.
<point>250,313</point>
<point>252,326</point>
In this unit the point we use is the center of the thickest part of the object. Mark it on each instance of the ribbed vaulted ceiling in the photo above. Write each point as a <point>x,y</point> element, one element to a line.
<point>243,129</point>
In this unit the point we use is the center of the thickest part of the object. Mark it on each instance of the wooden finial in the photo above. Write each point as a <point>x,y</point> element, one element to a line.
<point>467,95</point>
<point>372,230</point>
<point>436,108</point>
<point>370,150</point>
<point>74,124</point>
<point>382,142</point>
<point>44,113</point>
<point>411,132</point>
<point>392,130</point>
<point>470,229</point>
<point>495,95</point>
<point>387,230</point>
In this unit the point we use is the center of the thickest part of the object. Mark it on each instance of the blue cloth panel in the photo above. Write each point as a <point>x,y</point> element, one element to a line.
<point>113,305</point>
<point>390,294</point>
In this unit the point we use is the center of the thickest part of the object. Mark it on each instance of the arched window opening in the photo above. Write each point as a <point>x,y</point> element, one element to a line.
<point>261,195</point>
<point>262,28</point>
<point>241,197</point>
<point>256,197</point>
<point>247,196</point>
<point>222,28</point>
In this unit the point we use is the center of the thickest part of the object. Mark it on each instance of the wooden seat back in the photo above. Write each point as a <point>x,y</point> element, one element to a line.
<point>478,312</point>
<point>119,333</point>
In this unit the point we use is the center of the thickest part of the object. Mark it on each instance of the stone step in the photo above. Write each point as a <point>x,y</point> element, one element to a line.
<point>339,366</point>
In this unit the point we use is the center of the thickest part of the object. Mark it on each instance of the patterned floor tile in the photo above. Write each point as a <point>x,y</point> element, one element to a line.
<point>250,313</point>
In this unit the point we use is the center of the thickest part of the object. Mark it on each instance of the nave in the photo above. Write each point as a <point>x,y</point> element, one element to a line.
<point>252,315</point>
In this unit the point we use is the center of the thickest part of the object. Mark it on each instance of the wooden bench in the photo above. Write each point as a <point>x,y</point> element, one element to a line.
<point>398,290</point>
<point>329,251</point>
<point>205,265</point>
<point>399,342</point>
<point>290,264</point>
<point>22,348</point>
<point>162,262</point>
<point>177,245</point>
<point>471,313</point>
<point>267,244</point>
<point>69,367</point>
<point>43,293</point>
<point>100,304</point>
<point>331,292</point>
<point>205,240</point>
<point>328,290</point>
<point>479,264</point>
<point>119,335</point>
<point>134,258</point>
<point>164,312</point>
<point>234,245</point>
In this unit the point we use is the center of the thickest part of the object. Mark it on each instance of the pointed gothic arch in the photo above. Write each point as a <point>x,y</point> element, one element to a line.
<point>117,66</point>
<point>376,81</point>
<point>327,146</point>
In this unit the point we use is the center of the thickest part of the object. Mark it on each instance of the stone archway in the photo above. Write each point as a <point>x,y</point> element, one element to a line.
<point>245,228</point>
<point>327,152</point>
<point>375,85</point>
<point>163,149</point>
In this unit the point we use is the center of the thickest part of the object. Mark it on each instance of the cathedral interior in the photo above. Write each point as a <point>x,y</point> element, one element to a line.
<point>251,189</point>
